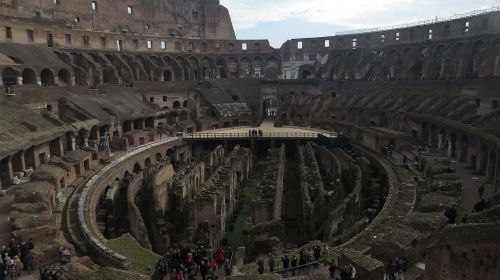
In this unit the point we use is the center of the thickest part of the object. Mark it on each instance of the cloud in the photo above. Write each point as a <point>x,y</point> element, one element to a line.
<point>354,14</point>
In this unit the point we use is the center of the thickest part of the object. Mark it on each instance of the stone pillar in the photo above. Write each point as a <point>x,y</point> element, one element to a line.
<point>440,141</point>
<point>449,147</point>
<point>72,142</point>
<point>86,138</point>
<point>496,185</point>
<point>6,170</point>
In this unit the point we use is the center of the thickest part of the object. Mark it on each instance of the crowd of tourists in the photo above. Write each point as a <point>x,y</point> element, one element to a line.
<point>188,263</point>
<point>16,258</point>
<point>255,133</point>
<point>291,265</point>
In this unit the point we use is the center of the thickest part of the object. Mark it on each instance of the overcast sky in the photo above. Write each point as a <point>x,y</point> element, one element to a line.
<point>280,20</point>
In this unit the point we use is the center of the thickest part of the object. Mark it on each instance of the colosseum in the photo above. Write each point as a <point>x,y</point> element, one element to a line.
<point>140,139</point>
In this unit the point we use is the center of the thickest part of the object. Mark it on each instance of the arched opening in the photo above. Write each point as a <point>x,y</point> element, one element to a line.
<point>137,168</point>
<point>170,155</point>
<point>483,159</point>
<point>47,77</point>
<point>147,162</point>
<point>492,167</point>
<point>177,105</point>
<point>9,77</point>
<point>29,77</point>
<point>185,104</point>
<point>167,76</point>
<point>159,157</point>
<point>463,148</point>
<point>64,77</point>
<point>453,145</point>
<point>270,108</point>
<point>306,74</point>
<point>183,116</point>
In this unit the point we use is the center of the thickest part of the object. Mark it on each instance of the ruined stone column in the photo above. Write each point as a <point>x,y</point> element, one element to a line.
<point>449,147</point>
<point>496,186</point>
<point>72,141</point>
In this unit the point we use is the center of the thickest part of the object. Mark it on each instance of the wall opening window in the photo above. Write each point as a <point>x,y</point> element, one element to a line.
<point>50,40</point>
<point>382,38</point>
<point>77,19</point>
<point>299,45</point>
<point>149,44</point>
<point>103,42</point>
<point>165,99</point>
<point>327,43</point>
<point>195,15</point>
<point>396,36</point>
<point>86,40</point>
<point>135,43</point>
<point>244,46</point>
<point>130,10</point>
<point>354,43</point>
<point>94,5</point>
<point>30,35</point>
<point>119,45</point>
<point>163,45</point>
<point>152,99</point>
<point>67,37</point>
<point>148,26</point>
<point>8,32</point>
<point>430,34</point>
<point>57,2</point>
<point>467,26</point>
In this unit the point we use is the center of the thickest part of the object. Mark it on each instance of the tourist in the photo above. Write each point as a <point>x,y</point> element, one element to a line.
<point>11,269</point>
<point>332,269</point>
<point>64,256</point>
<point>260,266</point>
<point>219,257</point>
<point>13,248</point>
<point>204,268</point>
<point>317,255</point>
<point>227,267</point>
<point>286,264</point>
<point>3,271</point>
<point>213,264</point>
<point>271,263</point>
<point>293,264</point>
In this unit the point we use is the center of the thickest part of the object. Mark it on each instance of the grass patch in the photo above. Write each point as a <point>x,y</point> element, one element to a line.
<point>143,260</point>
<point>235,237</point>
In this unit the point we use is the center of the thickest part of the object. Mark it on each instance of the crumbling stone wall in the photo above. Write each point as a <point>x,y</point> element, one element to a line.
<point>194,206</point>
<point>267,228</point>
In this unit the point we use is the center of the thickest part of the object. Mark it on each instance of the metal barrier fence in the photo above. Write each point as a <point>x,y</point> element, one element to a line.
<point>294,135</point>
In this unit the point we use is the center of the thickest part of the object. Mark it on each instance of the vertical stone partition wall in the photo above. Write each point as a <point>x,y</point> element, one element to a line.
<point>196,203</point>
<point>267,227</point>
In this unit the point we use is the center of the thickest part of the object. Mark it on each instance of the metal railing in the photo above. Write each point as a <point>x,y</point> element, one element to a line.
<point>304,135</point>
<point>421,23</point>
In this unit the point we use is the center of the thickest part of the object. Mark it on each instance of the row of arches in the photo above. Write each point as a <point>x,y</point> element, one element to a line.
<point>458,60</point>
<point>112,68</point>
<point>28,76</point>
